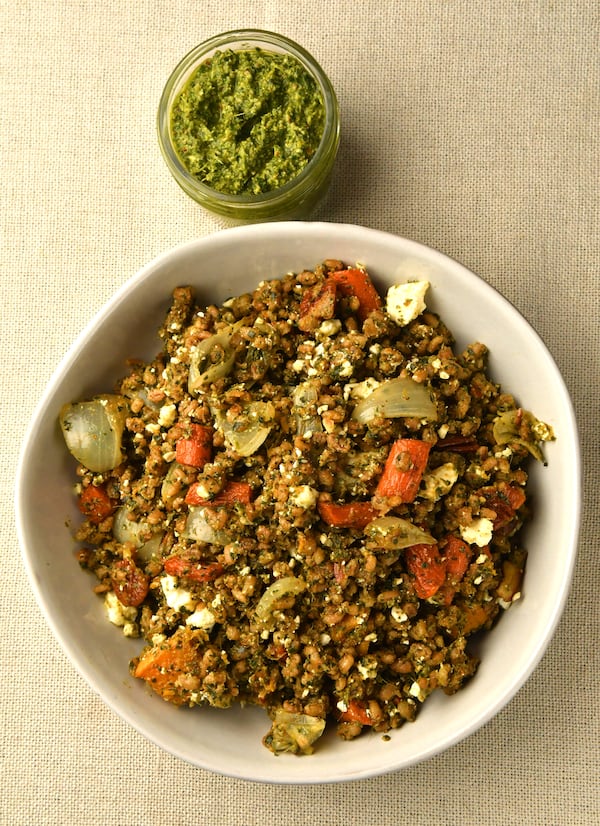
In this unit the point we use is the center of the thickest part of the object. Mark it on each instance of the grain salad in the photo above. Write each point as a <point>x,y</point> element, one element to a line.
<point>308,501</point>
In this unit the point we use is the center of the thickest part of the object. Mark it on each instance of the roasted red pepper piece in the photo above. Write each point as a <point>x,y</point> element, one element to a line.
<point>129,582</point>
<point>427,568</point>
<point>95,504</point>
<point>355,282</point>
<point>457,556</point>
<point>196,571</point>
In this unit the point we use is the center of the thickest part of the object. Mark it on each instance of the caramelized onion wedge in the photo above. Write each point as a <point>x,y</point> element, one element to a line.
<point>198,527</point>
<point>391,533</point>
<point>247,432</point>
<point>521,427</point>
<point>93,431</point>
<point>284,587</point>
<point>395,398</point>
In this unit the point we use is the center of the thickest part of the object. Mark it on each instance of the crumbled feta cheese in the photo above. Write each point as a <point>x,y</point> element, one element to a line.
<point>118,613</point>
<point>166,415</point>
<point>201,491</point>
<point>360,389</point>
<point>329,327</point>
<point>543,431</point>
<point>505,453</point>
<point>346,369</point>
<point>404,302</point>
<point>438,482</point>
<point>367,669</point>
<point>176,598</point>
<point>341,706</point>
<point>415,691</point>
<point>479,532</point>
<point>201,619</point>
<point>398,614</point>
<point>481,559</point>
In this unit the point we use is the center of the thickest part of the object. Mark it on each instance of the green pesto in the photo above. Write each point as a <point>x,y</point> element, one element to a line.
<point>247,121</point>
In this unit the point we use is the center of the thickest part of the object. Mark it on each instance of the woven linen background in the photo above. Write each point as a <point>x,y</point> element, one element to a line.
<point>469,126</point>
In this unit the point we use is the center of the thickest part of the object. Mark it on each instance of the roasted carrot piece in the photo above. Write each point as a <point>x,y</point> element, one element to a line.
<point>170,667</point>
<point>476,616</point>
<point>427,568</point>
<point>95,504</point>
<point>404,468</point>
<point>196,449</point>
<point>233,492</point>
<point>346,515</point>
<point>357,283</point>
<point>356,712</point>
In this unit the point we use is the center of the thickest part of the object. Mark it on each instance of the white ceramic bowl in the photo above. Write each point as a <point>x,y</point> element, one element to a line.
<point>227,263</point>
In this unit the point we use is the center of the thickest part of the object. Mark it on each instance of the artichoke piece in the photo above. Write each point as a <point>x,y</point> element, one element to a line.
<point>293,733</point>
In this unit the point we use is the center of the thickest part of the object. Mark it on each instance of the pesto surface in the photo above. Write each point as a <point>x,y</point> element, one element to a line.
<point>248,121</point>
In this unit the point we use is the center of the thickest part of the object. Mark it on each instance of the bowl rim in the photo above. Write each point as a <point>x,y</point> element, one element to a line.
<point>237,235</point>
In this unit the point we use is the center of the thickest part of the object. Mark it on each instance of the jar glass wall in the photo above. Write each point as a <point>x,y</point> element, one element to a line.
<point>297,198</point>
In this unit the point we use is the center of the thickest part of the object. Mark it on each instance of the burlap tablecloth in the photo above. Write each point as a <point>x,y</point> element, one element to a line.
<point>469,126</point>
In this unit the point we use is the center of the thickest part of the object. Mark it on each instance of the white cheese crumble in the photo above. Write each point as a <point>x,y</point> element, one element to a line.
<point>415,691</point>
<point>398,614</point>
<point>122,615</point>
<point>367,669</point>
<point>329,327</point>
<point>479,532</point>
<point>303,496</point>
<point>438,482</point>
<point>404,302</point>
<point>201,491</point>
<point>166,415</point>
<point>201,619</point>
<point>360,389</point>
<point>176,598</point>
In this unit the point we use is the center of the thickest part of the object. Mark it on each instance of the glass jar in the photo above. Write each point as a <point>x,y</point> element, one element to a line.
<point>299,196</point>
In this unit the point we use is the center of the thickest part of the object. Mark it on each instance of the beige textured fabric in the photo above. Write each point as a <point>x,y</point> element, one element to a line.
<point>471,126</point>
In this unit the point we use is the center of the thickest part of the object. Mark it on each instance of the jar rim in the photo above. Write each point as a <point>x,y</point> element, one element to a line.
<point>245,39</point>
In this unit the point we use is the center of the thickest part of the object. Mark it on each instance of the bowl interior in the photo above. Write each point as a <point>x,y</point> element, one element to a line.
<point>227,263</point>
